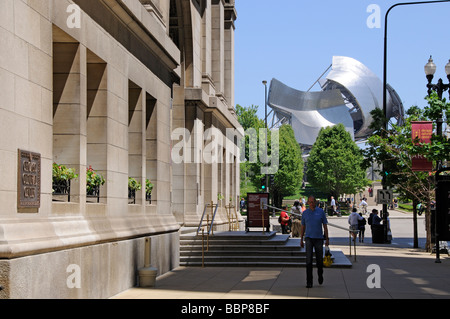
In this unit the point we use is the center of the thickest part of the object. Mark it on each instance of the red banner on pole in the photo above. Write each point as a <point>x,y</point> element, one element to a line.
<point>423,132</point>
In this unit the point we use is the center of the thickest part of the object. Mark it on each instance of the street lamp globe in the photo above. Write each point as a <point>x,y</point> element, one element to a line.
<point>430,67</point>
<point>447,68</point>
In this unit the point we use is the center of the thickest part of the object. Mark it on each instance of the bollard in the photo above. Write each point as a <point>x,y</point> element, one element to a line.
<point>147,275</point>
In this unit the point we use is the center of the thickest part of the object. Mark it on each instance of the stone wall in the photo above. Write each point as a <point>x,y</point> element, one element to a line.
<point>85,96</point>
<point>104,84</point>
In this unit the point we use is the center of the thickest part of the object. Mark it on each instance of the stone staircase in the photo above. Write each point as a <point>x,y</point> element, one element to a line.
<point>248,249</point>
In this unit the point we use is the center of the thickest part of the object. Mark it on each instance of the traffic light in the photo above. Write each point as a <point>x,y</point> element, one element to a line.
<point>271,180</point>
<point>263,183</point>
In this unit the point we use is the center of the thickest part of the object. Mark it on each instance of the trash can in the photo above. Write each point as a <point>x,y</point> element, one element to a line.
<point>147,277</point>
<point>377,234</point>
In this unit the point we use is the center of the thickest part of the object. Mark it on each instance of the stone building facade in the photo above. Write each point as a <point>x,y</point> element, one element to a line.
<point>109,84</point>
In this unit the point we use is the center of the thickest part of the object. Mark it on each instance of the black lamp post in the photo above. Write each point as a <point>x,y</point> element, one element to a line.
<point>265,122</point>
<point>439,88</point>
<point>385,86</point>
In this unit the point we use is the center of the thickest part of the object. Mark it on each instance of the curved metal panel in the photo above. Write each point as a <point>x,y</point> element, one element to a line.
<point>395,106</point>
<point>308,112</point>
<point>349,93</point>
<point>364,85</point>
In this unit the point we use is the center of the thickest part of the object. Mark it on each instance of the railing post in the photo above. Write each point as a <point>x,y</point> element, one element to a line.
<point>203,247</point>
<point>350,242</point>
<point>211,230</point>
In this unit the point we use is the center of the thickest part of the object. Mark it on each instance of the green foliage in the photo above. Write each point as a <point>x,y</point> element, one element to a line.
<point>289,176</point>
<point>247,117</point>
<point>395,148</point>
<point>289,173</point>
<point>62,173</point>
<point>93,179</point>
<point>335,164</point>
<point>148,187</point>
<point>134,184</point>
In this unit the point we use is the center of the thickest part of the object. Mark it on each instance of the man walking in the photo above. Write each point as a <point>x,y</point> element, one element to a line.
<point>353,220</point>
<point>333,205</point>
<point>313,219</point>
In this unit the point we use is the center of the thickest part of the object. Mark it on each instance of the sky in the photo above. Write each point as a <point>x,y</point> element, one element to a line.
<point>294,41</point>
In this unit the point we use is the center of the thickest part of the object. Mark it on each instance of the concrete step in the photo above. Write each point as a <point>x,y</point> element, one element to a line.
<point>234,243</point>
<point>254,264</point>
<point>247,249</point>
<point>238,235</point>
<point>231,253</point>
<point>339,261</point>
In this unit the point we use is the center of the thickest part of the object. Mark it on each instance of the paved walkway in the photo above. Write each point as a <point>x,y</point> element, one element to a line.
<point>401,271</point>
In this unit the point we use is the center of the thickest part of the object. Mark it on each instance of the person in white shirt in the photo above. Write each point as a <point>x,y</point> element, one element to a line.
<point>333,205</point>
<point>353,221</point>
<point>363,205</point>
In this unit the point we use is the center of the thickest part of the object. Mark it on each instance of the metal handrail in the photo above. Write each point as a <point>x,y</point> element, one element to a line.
<point>212,220</point>
<point>233,222</point>
<point>200,226</point>
<point>201,220</point>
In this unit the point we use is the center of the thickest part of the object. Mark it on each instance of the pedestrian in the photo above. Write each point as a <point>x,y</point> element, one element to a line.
<point>242,204</point>
<point>353,220</point>
<point>296,214</point>
<point>333,205</point>
<point>376,220</point>
<point>302,207</point>
<point>284,221</point>
<point>313,220</point>
<point>363,206</point>
<point>361,228</point>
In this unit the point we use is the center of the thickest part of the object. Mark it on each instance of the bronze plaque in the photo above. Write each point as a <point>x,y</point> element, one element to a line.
<point>29,180</point>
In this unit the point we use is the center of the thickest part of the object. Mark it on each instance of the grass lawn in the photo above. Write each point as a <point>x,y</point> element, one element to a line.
<point>408,207</point>
<point>307,191</point>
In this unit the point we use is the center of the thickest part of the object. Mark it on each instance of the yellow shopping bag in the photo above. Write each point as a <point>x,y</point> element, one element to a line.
<point>327,260</point>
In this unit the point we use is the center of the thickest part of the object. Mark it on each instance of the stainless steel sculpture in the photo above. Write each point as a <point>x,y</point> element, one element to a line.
<point>349,93</point>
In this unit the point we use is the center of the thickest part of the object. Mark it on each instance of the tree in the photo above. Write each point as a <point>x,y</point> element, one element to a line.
<point>335,163</point>
<point>289,176</point>
<point>288,173</point>
<point>394,148</point>
<point>248,118</point>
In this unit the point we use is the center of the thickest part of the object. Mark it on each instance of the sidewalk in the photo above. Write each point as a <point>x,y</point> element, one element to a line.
<point>405,273</point>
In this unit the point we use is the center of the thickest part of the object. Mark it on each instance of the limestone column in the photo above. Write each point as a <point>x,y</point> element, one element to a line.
<point>207,80</point>
<point>230,17</point>
<point>178,169</point>
<point>97,120</point>
<point>193,157</point>
<point>218,44</point>
<point>135,143</point>
<point>152,144</point>
<point>69,108</point>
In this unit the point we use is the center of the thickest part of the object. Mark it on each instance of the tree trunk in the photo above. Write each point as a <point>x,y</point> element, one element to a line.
<point>277,199</point>
<point>416,236</point>
<point>428,245</point>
